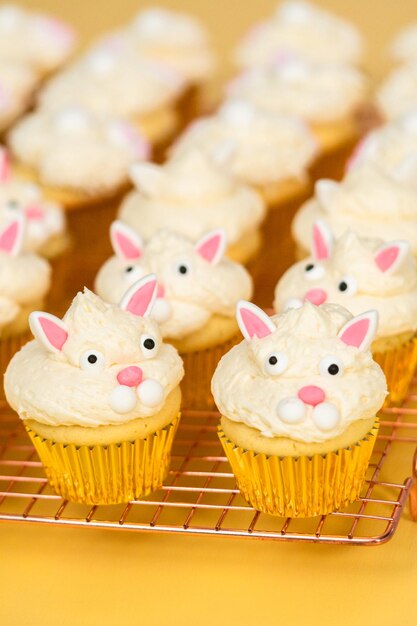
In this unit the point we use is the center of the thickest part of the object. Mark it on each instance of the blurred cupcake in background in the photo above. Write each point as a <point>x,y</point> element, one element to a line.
<point>403,48</point>
<point>192,194</point>
<point>270,152</point>
<point>303,30</point>
<point>198,289</point>
<point>397,95</point>
<point>18,82</point>
<point>362,274</point>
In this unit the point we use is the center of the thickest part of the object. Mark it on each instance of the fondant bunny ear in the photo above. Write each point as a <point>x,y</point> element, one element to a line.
<point>11,236</point>
<point>364,150</point>
<point>406,170</point>
<point>322,241</point>
<point>5,170</point>
<point>146,177</point>
<point>253,322</point>
<point>326,191</point>
<point>212,246</point>
<point>126,243</point>
<point>49,330</point>
<point>360,331</point>
<point>390,255</point>
<point>140,298</point>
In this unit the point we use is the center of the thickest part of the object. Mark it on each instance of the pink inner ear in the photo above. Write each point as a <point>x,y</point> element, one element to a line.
<point>387,257</point>
<point>356,333</point>
<point>320,247</point>
<point>209,247</point>
<point>254,325</point>
<point>127,247</point>
<point>140,300</point>
<point>56,335</point>
<point>4,165</point>
<point>8,237</point>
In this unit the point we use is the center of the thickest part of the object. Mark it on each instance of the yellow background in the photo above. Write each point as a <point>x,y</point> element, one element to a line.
<point>61,576</point>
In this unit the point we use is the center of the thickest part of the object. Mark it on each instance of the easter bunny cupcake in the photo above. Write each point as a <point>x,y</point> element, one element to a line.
<point>45,228</point>
<point>301,29</point>
<point>361,274</point>
<point>17,85</point>
<point>192,194</point>
<point>397,95</point>
<point>368,201</point>
<point>79,157</point>
<point>271,152</point>
<point>98,393</point>
<point>298,399</point>
<point>403,48</point>
<point>328,96</point>
<point>198,290</point>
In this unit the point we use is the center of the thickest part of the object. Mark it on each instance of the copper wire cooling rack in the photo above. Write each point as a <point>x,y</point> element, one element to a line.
<point>200,496</point>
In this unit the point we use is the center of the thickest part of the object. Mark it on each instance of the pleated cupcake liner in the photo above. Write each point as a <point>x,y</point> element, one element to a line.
<point>107,474</point>
<point>300,486</point>
<point>399,365</point>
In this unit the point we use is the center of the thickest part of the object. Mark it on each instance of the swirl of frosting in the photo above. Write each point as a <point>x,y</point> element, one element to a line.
<point>397,95</point>
<point>37,39</point>
<point>78,369</point>
<point>360,274</point>
<point>17,83</point>
<point>366,201</point>
<point>316,92</point>
<point>306,374</point>
<point>300,29</point>
<point>404,46</point>
<point>195,280</point>
<point>190,194</point>
<point>77,149</point>
<point>266,147</point>
<point>113,79</point>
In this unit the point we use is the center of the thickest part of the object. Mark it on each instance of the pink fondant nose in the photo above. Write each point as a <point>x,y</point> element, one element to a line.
<point>130,376</point>
<point>316,296</point>
<point>33,212</point>
<point>160,293</point>
<point>311,395</point>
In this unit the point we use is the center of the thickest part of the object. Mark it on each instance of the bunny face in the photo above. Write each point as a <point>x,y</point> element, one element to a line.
<point>194,280</point>
<point>101,364</point>
<point>306,374</point>
<point>358,274</point>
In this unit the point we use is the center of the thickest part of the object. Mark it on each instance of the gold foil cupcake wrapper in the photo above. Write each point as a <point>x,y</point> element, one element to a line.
<point>300,486</point>
<point>398,365</point>
<point>107,474</point>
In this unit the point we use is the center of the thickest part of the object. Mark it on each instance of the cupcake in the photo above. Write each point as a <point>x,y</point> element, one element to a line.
<point>78,157</point>
<point>45,228</point>
<point>192,195</point>
<point>304,30</point>
<point>298,399</point>
<point>271,152</point>
<point>397,95</point>
<point>17,85</point>
<point>404,47</point>
<point>367,201</point>
<point>99,395</point>
<point>361,274</point>
<point>198,290</point>
<point>113,79</point>
<point>41,41</point>
<point>328,96</point>
<point>24,282</point>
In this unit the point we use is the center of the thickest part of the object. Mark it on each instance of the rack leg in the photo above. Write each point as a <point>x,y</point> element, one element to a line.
<point>413,491</point>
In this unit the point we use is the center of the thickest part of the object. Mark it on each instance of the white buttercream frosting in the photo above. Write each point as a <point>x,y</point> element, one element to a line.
<point>265,147</point>
<point>17,83</point>
<point>367,201</point>
<point>190,194</point>
<point>301,29</point>
<point>364,286</point>
<point>404,46</point>
<point>304,340</point>
<point>398,93</point>
<point>187,300</point>
<point>38,39</point>
<point>76,149</point>
<point>316,92</point>
<point>58,388</point>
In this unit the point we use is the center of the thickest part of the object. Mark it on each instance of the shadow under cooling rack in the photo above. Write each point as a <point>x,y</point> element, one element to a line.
<point>200,496</point>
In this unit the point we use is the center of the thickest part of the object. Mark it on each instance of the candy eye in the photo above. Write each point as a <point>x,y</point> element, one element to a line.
<point>331,366</point>
<point>348,286</point>
<point>132,271</point>
<point>92,360</point>
<point>12,205</point>
<point>183,268</point>
<point>149,346</point>
<point>313,271</point>
<point>276,363</point>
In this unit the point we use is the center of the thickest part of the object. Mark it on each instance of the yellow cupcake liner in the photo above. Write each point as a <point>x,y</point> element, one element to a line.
<point>398,365</point>
<point>199,368</point>
<point>107,474</point>
<point>300,486</point>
